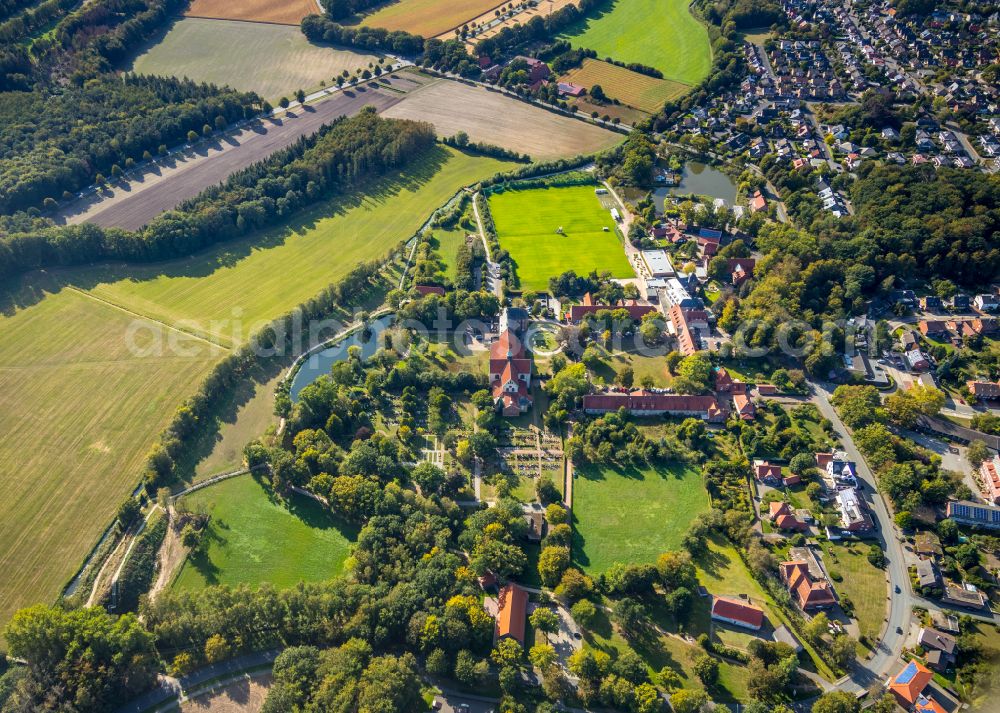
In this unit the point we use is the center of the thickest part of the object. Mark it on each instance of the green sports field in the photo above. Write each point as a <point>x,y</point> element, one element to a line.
<point>253,537</point>
<point>258,278</point>
<point>659,33</point>
<point>526,223</point>
<point>632,515</point>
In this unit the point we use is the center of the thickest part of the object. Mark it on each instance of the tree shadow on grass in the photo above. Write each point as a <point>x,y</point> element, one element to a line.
<point>34,286</point>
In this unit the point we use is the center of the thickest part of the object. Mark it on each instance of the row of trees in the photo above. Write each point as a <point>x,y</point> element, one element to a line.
<point>332,160</point>
<point>117,122</point>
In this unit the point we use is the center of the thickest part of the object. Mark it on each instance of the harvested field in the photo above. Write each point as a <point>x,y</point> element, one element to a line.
<point>181,176</point>
<point>624,114</point>
<point>282,12</point>
<point>429,18</point>
<point>498,119</point>
<point>645,93</point>
<point>272,60</point>
<point>78,412</point>
<point>659,33</point>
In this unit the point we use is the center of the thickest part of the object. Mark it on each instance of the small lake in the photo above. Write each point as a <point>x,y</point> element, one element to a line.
<point>700,179</point>
<point>319,364</point>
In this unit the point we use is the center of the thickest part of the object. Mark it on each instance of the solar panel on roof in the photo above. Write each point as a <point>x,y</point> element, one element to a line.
<point>907,674</point>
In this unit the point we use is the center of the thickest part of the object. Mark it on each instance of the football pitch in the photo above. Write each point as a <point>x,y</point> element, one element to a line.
<point>548,231</point>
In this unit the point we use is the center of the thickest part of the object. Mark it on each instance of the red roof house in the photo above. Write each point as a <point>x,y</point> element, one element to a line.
<point>908,684</point>
<point>737,612</point>
<point>784,519</point>
<point>809,593</point>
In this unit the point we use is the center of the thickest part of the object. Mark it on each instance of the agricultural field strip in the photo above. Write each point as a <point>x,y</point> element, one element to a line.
<point>648,94</point>
<point>135,206</point>
<point>262,11</point>
<point>428,18</point>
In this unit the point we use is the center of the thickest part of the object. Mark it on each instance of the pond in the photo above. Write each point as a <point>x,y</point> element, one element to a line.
<point>700,179</point>
<point>318,364</point>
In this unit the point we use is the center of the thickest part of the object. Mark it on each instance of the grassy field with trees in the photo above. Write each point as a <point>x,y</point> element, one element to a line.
<point>658,33</point>
<point>628,514</point>
<point>526,224</point>
<point>253,537</point>
<point>317,246</point>
<point>64,350</point>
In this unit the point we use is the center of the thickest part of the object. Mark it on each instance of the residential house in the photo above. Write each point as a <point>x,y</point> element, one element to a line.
<point>984,390</point>
<point>738,613</point>
<point>931,303</point>
<point>808,592</point>
<point>927,544</point>
<point>928,575</point>
<point>907,685</point>
<point>838,472</point>
<point>568,89</point>
<point>939,648</point>
<point>916,360</point>
<point>854,515</point>
<point>986,303</point>
<point>744,407</point>
<point>784,519</point>
<point>989,480</point>
<point>933,328</point>
<point>766,472</point>
<point>967,595</point>
<point>758,203</point>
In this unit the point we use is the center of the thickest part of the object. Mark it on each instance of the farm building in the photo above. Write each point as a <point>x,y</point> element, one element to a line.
<point>737,612</point>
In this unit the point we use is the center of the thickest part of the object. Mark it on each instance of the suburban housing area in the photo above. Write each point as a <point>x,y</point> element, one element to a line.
<point>590,355</point>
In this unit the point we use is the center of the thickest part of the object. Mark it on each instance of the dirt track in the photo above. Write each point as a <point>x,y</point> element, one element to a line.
<point>176,180</point>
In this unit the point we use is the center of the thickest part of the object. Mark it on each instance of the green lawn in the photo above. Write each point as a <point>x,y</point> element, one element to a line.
<point>253,537</point>
<point>642,365</point>
<point>262,276</point>
<point>449,241</point>
<point>526,224</point>
<point>632,515</point>
<point>864,584</point>
<point>659,33</point>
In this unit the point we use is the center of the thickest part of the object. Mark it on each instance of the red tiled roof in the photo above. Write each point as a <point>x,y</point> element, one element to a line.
<point>513,607</point>
<point>705,406</point>
<point>736,610</point>
<point>909,682</point>
<point>507,344</point>
<point>635,311</point>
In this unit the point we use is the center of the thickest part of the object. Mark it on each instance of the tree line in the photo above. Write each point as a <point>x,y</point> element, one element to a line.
<point>332,160</point>
<point>117,122</point>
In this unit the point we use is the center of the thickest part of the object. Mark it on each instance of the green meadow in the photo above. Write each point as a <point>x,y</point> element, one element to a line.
<point>253,537</point>
<point>658,33</point>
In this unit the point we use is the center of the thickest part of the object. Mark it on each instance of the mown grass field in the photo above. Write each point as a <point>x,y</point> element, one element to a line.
<point>659,33</point>
<point>526,223</point>
<point>428,18</point>
<point>449,242</point>
<point>252,537</point>
<point>272,60</point>
<point>79,409</point>
<point>642,92</point>
<point>863,583</point>
<point>78,412</point>
<point>284,12</point>
<point>251,281</point>
<point>632,515</point>
<point>494,118</point>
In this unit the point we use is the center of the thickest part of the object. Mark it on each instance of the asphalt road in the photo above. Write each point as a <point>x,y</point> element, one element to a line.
<point>174,181</point>
<point>890,646</point>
